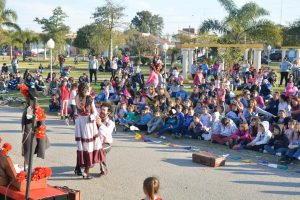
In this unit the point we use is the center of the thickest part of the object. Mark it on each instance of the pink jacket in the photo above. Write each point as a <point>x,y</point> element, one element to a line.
<point>153,79</point>
<point>290,89</point>
<point>244,135</point>
<point>260,102</point>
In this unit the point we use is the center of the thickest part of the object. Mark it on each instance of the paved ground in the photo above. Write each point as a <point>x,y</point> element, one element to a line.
<point>131,161</point>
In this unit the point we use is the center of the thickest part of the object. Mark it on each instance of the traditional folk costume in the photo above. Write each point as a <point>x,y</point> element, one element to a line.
<point>89,145</point>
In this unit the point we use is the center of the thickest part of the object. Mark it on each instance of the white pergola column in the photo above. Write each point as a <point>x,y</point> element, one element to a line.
<point>298,54</point>
<point>246,54</point>
<point>257,59</point>
<point>283,53</point>
<point>191,58</point>
<point>185,62</point>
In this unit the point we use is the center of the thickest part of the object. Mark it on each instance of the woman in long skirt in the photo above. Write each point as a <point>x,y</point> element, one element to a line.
<point>89,146</point>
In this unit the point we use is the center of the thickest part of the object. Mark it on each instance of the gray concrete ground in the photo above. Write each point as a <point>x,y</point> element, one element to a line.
<point>131,161</point>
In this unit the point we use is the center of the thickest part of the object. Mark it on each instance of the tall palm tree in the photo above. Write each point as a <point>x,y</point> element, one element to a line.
<point>8,17</point>
<point>244,24</point>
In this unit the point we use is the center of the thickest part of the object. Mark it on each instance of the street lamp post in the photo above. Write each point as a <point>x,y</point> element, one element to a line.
<point>165,48</point>
<point>51,45</point>
<point>269,52</point>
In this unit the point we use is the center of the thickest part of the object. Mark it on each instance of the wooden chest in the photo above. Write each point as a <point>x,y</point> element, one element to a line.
<point>209,159</point>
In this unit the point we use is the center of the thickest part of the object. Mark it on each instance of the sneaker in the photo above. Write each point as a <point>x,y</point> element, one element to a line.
<point>162,137</point>
<point>265,151</point>
<point>278,154</point>
<point>67,122</point>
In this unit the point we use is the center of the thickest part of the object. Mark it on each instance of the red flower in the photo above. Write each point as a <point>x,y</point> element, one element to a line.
<point>6,148</point>
<point>40,114</point>
<point>40,173</point>
<point>41,132</point>
<point>23,89</point>
<point>21,176</point>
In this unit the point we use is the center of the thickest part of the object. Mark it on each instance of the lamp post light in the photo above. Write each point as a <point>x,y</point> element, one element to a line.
<point>165,48</point>
<point>269,52</point>
<point>51,45</point>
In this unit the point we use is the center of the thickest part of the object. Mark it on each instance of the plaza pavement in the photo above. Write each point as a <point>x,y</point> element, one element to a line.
<point>131,161</point>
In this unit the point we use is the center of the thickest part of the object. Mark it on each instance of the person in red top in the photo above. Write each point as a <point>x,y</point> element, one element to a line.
<point>151,187</point>
<point>64,97</point>
<point>199,78</point>
<point>221,92</point>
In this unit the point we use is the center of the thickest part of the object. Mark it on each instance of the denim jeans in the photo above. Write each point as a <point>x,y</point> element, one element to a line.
<point>294,153</point>
<point>273,151</point>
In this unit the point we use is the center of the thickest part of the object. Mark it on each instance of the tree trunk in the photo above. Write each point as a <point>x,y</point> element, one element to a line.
<point>24,56</point>
<point>110,46</point>
<point>172,59</point>
<point>11,52</point>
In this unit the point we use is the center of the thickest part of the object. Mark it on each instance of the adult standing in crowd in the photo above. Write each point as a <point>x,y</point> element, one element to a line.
<point>15,64</point>
<point>61,60</point>
<point>114,68</point>
<point>194,69</point>
<point>285,66</point>
<point>89,145</point>
<point>93,66</point>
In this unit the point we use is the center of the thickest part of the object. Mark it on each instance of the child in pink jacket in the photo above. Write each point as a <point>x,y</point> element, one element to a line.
<point>240,137</point>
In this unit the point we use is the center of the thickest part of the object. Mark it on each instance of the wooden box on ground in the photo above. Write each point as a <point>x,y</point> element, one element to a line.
<point>209,159</point>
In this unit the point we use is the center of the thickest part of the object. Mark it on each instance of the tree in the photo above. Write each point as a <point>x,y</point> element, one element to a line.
<point>109,16</point>
<point>145,22</point>
<point>244,24</point>
<point>24,38</point>
<point>291,34</point>
<point>8,17</point>
<point>174,52</point>
<point>139,44</point>
<point>55,28</point>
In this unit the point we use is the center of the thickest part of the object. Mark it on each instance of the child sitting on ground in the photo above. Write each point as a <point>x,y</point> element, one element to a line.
<point>262,138</point>
<point>279,142</point>
<point>155,123</point>
<point>54,103</point>
<point>195,129</point>
<point>13,83</point>
<point>241,137</point>
<point>3,86</point>
<point>130,116</point>
<point>151,187</point>
<point>227,129</point>
<point>145,118</point>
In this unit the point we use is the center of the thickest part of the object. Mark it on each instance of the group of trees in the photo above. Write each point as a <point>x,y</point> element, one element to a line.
<point>242,25</point>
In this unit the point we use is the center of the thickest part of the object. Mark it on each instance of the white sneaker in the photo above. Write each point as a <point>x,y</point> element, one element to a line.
<point>278,154</point>
<point>67,122</point>
<point>265,151</point>
<point>162,137</point>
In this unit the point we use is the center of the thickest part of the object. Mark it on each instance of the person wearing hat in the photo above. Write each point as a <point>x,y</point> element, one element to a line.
<point>39,145</point>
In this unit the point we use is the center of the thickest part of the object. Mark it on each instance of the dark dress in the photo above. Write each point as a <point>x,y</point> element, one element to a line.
<point>39,145</point>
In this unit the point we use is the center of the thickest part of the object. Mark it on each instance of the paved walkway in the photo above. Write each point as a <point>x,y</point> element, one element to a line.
<point>131,161</point>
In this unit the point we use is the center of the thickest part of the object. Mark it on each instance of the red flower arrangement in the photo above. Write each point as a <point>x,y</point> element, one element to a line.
<point>41,132</point>
<point>23,89</point>
<point>40,114</point>
<point>39,173</point>
<point>22,176</point>
<point>6,148</point>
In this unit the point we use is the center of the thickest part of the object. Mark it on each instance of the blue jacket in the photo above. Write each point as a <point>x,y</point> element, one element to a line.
<point>182,94</point>
<point>180,120</point>
<point>187,120</point>
<point>145,119</point>
<point>285,66</point>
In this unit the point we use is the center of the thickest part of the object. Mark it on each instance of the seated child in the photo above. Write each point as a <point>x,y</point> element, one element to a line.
<point>205,117</point>
<point>181,93</point>
<point>195,129</point>
<point>170,122</point>
<point>262,138</point>
<point>227,129</point>
<point>39,84</point>
<point>13,83</point>
<point>145,118</point>
<point>215,127</point>
<point>278,143</point>
<point>130,116</point>
<point>3,86</point>
<point>241,137</point>
<point>54,103</point>
<point>188,119</point>
<point>155,123</point>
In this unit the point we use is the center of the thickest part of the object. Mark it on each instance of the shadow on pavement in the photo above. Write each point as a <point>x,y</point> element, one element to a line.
<point>282,193</point>
<point>181,162</point>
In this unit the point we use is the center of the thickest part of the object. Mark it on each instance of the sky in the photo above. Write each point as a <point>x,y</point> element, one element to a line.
<point>177,14</point>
